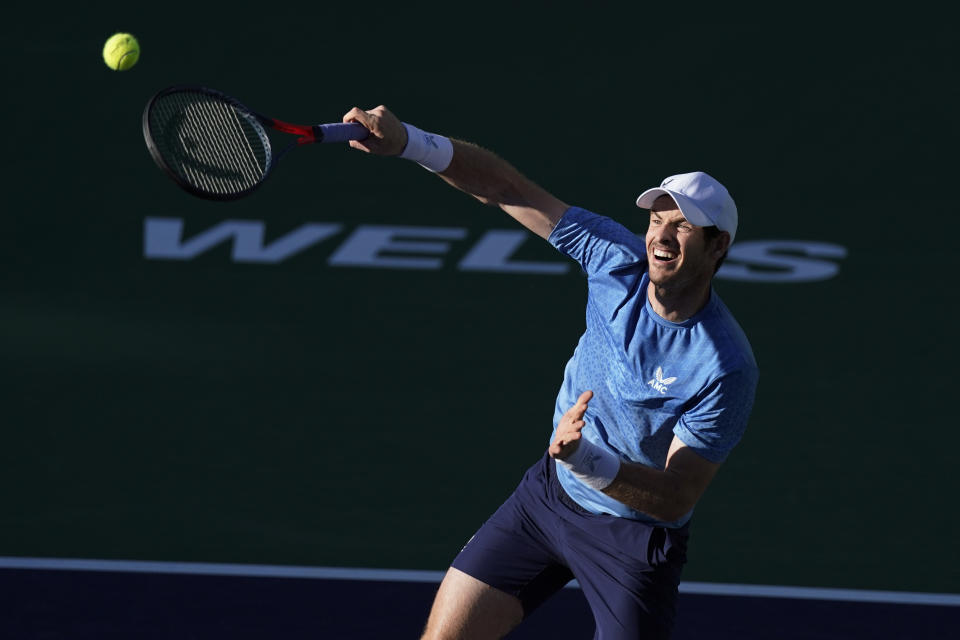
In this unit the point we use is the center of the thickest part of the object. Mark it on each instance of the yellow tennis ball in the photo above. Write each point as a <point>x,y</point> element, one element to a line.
<point>121,51</point>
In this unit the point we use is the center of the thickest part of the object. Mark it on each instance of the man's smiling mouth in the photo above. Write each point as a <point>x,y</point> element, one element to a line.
<point>663,255</point>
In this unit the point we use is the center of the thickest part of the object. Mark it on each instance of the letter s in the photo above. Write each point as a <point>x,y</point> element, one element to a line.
<point>780,267</point>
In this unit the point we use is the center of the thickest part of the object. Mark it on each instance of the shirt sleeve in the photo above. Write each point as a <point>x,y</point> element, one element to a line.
<point>716,424</point>
<point>598,243</point>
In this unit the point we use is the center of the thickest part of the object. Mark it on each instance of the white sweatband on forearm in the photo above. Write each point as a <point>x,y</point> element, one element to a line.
<point>429,150</point>
<point>594,466</point>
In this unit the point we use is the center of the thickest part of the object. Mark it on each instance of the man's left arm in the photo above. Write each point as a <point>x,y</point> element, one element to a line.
<point>666,495</point>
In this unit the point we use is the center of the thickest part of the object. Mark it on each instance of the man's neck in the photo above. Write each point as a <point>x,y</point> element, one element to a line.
<point>677,305</point>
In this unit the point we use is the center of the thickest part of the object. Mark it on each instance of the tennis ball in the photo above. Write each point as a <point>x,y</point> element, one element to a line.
<point>121,51</point>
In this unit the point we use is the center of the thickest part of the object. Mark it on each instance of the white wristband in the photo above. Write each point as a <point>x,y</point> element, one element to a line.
<point>594,466</point>
<point>429,150</point>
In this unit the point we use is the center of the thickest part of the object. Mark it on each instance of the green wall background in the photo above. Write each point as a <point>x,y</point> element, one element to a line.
<point>305,413</point>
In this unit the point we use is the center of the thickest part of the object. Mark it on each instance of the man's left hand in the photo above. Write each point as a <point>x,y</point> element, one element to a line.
<point>566,439</point>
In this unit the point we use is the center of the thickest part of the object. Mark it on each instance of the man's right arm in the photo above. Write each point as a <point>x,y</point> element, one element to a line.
<point>472,169</point>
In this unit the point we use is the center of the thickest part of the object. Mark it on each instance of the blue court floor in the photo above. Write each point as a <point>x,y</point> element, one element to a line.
<point>83,599</point>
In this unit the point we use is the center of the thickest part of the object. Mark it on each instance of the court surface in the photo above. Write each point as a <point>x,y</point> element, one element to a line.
<point>51,598</point>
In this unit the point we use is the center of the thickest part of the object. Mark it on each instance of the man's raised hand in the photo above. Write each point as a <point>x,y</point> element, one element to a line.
<point>565,441</point>
<point>387,137</point>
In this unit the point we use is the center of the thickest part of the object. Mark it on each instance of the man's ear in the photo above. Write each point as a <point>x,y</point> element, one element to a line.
<point>721,244</point>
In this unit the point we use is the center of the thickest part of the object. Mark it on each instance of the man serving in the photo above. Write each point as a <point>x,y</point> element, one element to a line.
<point>655,396</point>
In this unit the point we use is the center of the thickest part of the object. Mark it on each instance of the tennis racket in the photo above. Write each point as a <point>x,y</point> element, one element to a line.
<point>216,148</point>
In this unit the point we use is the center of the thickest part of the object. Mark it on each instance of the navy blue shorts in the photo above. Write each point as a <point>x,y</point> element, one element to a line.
<point>540,539</point>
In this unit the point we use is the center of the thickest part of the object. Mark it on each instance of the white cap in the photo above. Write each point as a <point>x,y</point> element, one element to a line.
<point>702,200</point>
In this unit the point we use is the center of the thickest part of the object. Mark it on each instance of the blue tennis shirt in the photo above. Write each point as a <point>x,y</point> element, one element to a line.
<point>651,378</point>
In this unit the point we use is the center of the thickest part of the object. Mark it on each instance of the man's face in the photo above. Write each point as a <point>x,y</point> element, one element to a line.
<point>677,252</point>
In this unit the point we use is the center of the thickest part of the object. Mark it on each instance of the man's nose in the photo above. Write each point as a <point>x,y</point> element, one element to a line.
<point>664,233</point>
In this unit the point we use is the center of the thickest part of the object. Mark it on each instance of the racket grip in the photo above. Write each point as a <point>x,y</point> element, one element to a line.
<point>342,132</point>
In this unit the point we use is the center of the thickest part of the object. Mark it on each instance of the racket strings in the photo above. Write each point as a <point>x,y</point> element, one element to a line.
<point>222,144</point>
<point>213,146</point>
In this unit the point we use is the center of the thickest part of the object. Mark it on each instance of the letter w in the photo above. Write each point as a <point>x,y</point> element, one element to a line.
<point>163,240</point>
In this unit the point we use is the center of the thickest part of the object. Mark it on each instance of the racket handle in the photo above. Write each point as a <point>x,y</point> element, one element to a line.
<point>341,132</point>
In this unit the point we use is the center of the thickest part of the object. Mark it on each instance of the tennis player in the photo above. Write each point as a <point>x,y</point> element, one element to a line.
<point>655,396</point>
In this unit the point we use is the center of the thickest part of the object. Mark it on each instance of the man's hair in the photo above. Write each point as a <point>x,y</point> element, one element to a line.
<point>710,234</point>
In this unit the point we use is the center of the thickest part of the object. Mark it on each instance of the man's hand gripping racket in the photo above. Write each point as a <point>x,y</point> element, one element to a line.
<point>214,147</point>
<point>388,137</point>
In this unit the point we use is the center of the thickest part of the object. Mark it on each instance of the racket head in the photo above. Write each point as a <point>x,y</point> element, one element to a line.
<point>210,144</point>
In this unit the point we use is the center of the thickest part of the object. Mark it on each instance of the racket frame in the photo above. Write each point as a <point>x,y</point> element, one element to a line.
<point>306,134</point>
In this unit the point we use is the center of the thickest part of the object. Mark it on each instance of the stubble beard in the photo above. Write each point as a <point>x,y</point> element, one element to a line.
<point>676,284</point>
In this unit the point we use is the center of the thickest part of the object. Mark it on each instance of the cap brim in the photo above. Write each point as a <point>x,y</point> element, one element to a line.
<point>690,211</point>
<point>647,198</point>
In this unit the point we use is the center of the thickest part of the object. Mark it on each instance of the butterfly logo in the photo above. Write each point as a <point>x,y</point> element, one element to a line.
<point>660,383</point>
<point>591,460</point>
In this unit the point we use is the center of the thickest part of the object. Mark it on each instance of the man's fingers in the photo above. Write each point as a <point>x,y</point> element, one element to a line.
<point>357,114</point>
<point>561,444</point>
<point>387,134</point>
<point>571,429</point>
<point>577,411</point>
<point>369,120</point>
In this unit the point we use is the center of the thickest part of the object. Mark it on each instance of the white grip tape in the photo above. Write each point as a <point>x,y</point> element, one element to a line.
<point>592,465</point>
<point>429,150</point>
